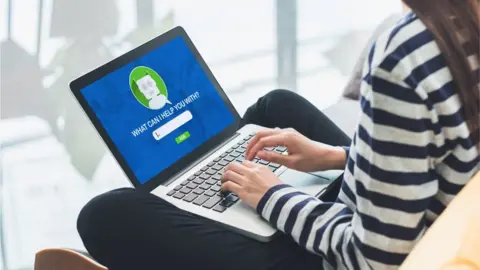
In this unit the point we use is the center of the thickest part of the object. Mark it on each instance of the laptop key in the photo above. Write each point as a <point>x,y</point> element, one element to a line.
<point>273,169</point>
<point>223,155</point>
<point>232,197</point>
<point>225,193</point>
<point>190,197</point>
<point>184,183</point>
<point>217,159</point>
<point>185,190</point>
<point>198,173</point>
<point>198,191</point>
<point>204,168</point>
<point>280,149</point>
<point>217,177</point>
<point>179,195</point>
<point>171,192</point>
<point>275,165</point>
<point>211,181</point>
<point>263,162</point>
<point>201,200</point>
<point>235,154</point>
<point>191,178</point>
<point>177,188</point>
<point>212,202</point>
<point>192,185</point>
<point>210,193</point>
<point>216,188</point>
<point>198,181</point>
<point>229,159</point>
<point>223,162</point>
<point>205,186</point>
<point>204,176</point>
<point>211,171</point>
<point>217,167</point>
<point>219,208</point>
<point>211,164</point>
<point>226,203</point>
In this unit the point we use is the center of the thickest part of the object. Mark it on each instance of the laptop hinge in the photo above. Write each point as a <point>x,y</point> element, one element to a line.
<point>202,158</point>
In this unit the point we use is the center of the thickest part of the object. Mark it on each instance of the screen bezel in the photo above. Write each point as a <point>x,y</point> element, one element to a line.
<point>78,84</point>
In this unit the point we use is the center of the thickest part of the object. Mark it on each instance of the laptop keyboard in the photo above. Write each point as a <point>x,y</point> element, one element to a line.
<point>204,187</point>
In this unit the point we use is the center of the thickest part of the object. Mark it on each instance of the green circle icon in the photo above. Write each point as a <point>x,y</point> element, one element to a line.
<point>148,87</point>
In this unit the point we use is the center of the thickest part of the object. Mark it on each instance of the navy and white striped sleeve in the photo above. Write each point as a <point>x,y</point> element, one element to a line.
<point>386,180</point>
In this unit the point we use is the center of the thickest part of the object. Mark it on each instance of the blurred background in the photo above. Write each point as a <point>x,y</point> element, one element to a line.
<point>51,159</point>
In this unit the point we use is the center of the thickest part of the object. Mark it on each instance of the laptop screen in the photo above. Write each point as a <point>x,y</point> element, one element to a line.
<point>158,108</point>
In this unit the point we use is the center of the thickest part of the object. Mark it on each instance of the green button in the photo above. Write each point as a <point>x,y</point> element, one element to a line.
<point>182,137</point>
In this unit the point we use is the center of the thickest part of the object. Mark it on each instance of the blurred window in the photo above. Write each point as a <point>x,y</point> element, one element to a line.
<point>51,159</point>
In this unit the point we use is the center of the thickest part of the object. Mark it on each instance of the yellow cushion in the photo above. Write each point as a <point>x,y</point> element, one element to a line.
<point>453,241</point>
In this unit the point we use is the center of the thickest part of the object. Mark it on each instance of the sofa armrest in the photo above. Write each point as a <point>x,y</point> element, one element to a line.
<point>453,241</point>
<point>345,114</point>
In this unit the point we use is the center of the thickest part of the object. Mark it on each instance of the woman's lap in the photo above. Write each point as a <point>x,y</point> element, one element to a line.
<point>128,229</point>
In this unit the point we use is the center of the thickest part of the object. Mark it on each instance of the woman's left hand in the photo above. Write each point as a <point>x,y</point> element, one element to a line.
<point>249,181</point>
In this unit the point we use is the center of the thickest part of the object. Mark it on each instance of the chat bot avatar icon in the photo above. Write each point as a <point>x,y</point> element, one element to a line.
<point>148,88</point>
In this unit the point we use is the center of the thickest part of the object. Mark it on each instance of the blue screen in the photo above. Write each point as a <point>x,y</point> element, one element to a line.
<point>158,108</point>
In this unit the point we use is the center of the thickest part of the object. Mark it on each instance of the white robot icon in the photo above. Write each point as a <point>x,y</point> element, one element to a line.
<point>149,89</point>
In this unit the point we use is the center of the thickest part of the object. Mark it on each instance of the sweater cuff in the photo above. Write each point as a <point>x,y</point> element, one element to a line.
<point>263,201</point>
<point>347,151</point>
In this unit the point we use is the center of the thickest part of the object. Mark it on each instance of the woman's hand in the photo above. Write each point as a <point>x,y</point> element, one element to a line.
<point>249,181</point>
<point>303,154</point>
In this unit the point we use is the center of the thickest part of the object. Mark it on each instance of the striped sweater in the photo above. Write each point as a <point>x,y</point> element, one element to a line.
<point>411,154</point>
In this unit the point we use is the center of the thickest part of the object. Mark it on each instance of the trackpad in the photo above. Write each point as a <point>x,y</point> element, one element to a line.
<point>305,182</point>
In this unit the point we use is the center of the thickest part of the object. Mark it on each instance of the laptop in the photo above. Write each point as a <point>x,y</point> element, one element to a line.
<point>172,129</point>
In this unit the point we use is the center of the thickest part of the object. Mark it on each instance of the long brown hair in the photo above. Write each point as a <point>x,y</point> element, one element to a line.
<point>455,26</point>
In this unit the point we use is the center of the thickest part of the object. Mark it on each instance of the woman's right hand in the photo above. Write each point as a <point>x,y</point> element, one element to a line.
<point>303,154</point>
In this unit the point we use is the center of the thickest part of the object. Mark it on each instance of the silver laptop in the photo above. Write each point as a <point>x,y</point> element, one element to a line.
<point>173,130</point>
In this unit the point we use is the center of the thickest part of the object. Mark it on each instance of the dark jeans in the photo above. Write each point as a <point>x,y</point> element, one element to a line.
<point>128,229</point>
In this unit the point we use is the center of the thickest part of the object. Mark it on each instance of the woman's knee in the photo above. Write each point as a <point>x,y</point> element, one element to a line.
<point>272,105</point>
<point>278,97</point>
<point>273,100</point>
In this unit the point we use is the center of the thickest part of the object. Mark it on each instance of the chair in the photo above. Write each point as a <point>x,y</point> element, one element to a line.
<point>452,243</point>
<point>60,259</point>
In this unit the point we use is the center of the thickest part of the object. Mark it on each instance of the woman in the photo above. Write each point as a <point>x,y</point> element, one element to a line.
<point>415,147</point>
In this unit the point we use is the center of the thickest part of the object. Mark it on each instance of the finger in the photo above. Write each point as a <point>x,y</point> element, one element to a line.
<point>237,167</point>
<point>260,134</point>
<point>232,187</point>
<point>269,141</point>
<point>249,164</point>
<point>231,176</point>
<point>257,137</point>
<point>274,157</point>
